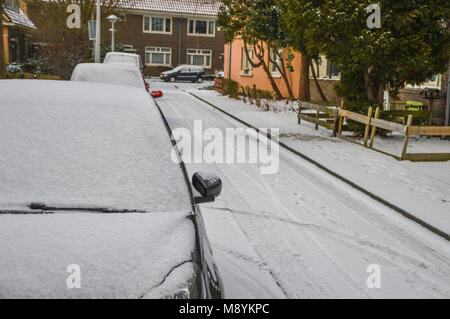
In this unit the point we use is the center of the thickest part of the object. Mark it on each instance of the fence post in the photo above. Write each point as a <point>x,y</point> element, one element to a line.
<point>299,113</point>
<point>317,120</point>
<point>366,132</point>
<point>405,142</point>
<point>374,128</point>
<point>341,118</point>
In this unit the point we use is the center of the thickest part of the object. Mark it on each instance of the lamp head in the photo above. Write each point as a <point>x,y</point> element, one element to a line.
<point>112,18</point>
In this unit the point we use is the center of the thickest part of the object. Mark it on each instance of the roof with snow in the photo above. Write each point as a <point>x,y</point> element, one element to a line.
<point>199,7</point>
<point>19,18</point>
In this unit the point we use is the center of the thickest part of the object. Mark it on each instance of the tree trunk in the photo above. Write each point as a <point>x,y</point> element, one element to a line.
<point>283,73</point>
<point>262,63</point>
<point>319,89</point>
<point>304,90</point>
<point>367,84</point>
<point>272,81</point>
<point>2,49</point>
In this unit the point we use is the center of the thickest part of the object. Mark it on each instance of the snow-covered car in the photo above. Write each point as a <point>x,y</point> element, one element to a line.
<point>123,58</point>
<point>118,74</point>
<point>92,205</point>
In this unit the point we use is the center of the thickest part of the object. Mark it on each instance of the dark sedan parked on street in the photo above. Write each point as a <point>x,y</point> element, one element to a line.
<point>184,73</point>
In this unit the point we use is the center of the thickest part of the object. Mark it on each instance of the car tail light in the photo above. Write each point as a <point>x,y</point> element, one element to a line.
<point>156,94</point>
<point>145,82</point>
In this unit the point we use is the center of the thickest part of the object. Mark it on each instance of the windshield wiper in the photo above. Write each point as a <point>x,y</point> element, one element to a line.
<point>20,212</point>
<point>45,208</point>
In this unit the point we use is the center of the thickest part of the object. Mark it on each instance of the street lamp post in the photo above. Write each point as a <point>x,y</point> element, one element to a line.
<point>113,19</point>
<point>97,34</point>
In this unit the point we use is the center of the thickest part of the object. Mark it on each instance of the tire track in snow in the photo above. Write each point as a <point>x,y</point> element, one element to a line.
<point>282,255</point>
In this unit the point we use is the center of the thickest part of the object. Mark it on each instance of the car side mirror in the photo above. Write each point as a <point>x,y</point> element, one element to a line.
<point>208,185</point>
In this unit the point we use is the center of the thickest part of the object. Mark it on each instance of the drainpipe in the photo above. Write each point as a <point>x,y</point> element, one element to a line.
<point>229,60</point>
<point>447,106</point>
<point>179,40</point>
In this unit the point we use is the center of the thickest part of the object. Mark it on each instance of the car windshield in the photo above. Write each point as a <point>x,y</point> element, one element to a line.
<point>108,74</point>
<point>121,59</point>
<point>77,145</point>
<point>178,68</point>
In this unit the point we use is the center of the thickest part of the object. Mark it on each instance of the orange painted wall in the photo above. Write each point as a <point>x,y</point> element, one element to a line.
<point>259,76</point>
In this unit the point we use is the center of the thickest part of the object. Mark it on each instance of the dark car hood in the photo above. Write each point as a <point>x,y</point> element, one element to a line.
<point>120,255</point>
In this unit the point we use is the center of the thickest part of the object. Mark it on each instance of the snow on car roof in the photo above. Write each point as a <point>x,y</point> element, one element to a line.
<point>118,74</point>
<point>69,143</point>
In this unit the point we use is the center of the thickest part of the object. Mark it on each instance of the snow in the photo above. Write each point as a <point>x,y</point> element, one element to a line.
<point>64,144</point>
<point>119,255</point>
<point>301,233</point>
<point>122,58</point>
<point>118,74</point>
<point>420,188</point>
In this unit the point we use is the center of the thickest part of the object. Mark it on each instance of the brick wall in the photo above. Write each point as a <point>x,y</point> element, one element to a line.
<point>410,94</point>
<point>327,88</point>
<point>130,32</point>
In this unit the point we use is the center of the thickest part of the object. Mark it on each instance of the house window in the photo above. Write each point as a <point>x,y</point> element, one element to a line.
<point>275,56</point>
<point>201,27</point>
<point>122,17</point>
<point>434,82</point>
<point>332,70</point>
<point>157,24</point>
<point>199,57</point>
<point>247,68</point>
<point>158,56</point>
<point>12,4</point>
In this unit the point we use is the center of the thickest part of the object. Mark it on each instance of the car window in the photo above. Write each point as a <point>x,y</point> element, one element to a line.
<point>108,74</point>
<point>121,59</point>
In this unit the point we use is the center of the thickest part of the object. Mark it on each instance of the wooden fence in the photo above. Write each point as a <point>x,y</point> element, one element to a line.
<point>323,116</point>
<point>334,120</point>
<point>218,85</point>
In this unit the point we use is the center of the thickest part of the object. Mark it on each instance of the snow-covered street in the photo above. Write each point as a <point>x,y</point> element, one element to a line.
<point>301,233</point>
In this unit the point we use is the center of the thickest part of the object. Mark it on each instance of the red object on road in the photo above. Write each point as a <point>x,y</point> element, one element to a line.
<point>156,94</point>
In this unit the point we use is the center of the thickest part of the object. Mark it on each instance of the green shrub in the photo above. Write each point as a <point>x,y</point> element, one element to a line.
<point>361,108</point>
<point>230,88</point>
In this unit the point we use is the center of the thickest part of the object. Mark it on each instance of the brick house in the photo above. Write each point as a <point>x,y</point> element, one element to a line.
<point>440,82</point>
<point>167,33</point>
<point>17,31</point>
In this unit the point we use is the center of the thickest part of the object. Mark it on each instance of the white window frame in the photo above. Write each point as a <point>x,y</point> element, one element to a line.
<point>199,52</point>
<point>436,84</point>
<point>207,34</point>
<point>158,50</point>
<point>272,69</point>
<point>150,24</point>
<point>245,65</point>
